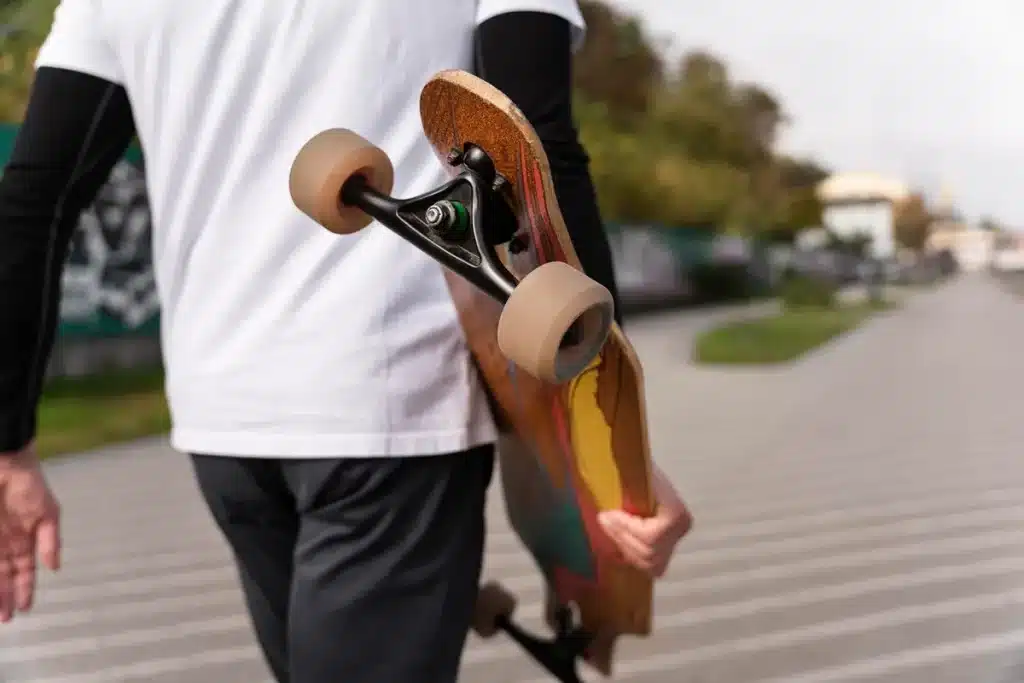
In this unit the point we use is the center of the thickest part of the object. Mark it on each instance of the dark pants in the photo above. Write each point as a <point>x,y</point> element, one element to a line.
<point>355,570</point>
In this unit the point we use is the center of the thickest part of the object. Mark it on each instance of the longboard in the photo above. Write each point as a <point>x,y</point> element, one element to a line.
<point>565,384</point>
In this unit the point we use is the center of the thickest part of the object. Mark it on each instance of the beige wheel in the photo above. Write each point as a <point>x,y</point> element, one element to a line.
<point>492,603</point>
<point>550,302</point>
<point>322,167</point>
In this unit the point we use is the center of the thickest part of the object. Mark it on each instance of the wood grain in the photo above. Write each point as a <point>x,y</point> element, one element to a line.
<point>587,440</point>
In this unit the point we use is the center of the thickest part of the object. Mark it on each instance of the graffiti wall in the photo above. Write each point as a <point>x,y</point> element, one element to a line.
<point>108,285</point>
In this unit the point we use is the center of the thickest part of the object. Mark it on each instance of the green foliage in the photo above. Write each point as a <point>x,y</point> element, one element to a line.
<point>776,338</point>
<point>23,27</point>
<point>84,413</point>
<point>616,65</point>
<point>803,292</point>
<point>684,145</point>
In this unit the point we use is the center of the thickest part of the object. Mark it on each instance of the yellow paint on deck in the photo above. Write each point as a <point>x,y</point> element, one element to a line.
<point>592,439</point>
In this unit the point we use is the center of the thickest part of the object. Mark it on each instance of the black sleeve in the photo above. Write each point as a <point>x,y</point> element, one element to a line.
<point>528,56</point>
<point>76,128</point>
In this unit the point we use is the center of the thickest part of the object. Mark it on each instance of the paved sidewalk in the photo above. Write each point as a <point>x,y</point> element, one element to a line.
<point>859,518</point>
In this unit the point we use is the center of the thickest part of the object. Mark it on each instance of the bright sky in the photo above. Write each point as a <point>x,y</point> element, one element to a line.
<point>929,91</point>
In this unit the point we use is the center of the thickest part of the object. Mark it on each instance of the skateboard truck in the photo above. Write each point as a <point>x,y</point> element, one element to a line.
<point>458,224</point>
<point>559,655</point>
<point>553,321</point>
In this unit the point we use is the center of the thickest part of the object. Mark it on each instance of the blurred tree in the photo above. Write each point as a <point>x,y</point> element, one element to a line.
<point>23,27</point>
<point>760,119</point>
<point>702,72</point>
<point>801,208</point>
<point>912,222</point>
<point>617,65</point>
<point>801,173</point>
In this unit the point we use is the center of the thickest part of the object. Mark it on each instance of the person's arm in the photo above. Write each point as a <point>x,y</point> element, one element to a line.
<point>528,56</point>
<point>76,128</point>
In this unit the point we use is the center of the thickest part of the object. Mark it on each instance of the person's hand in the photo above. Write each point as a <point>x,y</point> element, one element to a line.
<point>29,526</point>
<point>648,542</point>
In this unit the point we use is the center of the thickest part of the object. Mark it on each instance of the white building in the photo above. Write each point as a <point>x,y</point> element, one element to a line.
<point>972,247</point>
<point>862,204</point>
<point>1008,252</point>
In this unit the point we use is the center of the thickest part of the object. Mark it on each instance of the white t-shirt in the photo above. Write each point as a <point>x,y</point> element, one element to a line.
<point>281,339</point>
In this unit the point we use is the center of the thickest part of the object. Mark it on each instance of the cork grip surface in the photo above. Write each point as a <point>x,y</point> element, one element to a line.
<point>571,450</point>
